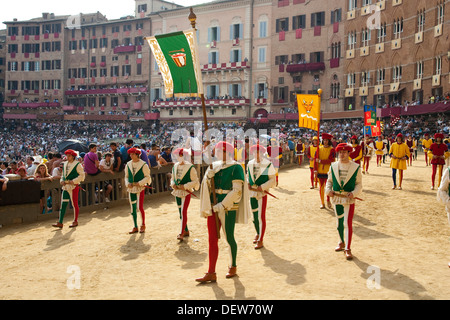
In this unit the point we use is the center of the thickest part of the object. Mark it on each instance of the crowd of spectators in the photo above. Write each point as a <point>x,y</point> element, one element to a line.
<point>24,145</point>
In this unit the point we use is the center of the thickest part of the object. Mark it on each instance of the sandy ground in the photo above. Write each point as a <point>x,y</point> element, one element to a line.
<point>401,239</point>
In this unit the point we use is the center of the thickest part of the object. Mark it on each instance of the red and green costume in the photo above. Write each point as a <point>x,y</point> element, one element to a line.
<point>184,174</point>
<point>231,208</point>
<point>72,171</point>
<point>260,174</point>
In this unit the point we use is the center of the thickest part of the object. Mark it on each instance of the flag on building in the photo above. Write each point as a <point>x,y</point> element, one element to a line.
<point>177,57</point>
<point>309,111</point>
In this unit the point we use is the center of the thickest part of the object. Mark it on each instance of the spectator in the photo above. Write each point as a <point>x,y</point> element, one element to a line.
<point>22,172</point>
<point>58,160</point>
<point>41,174</point>
<point>57,172</point>
<point>153,158</point>
<point>117,163</point>
<point>167,155</point>
<point>91,162</point>
<point>31,166</point>
<point>106,166</point>
<point>14,168</point>
<point>124,151</point>
<point>144,155</point>
<point>4,169</point>
<point>4,182</point>
<point>50,160</point>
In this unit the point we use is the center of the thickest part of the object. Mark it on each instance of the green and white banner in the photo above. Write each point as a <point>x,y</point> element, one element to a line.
<point>177,57</point>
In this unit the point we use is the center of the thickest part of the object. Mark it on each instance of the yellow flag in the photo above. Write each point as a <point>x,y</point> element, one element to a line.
<point>309,111</point>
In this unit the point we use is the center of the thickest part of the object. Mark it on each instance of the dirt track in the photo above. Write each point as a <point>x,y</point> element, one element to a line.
<point>402,236</point>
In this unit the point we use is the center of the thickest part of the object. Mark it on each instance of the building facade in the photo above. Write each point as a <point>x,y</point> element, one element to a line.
<point>397,52</point>
<point>256,56</point>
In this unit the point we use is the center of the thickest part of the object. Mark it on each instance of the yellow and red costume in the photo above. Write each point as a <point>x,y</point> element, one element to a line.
<point>411,145</point>
<point>399,153</point>
<point>438,150</point>
<point>426,144</point>
<point>326,156</point>
<point>357,153</point>
<point>367,147</point>
<point>311,153</point>
<point>379,150</point>
<point>300,152</point>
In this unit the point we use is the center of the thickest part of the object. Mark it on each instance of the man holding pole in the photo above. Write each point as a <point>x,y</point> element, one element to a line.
<point>183,182</point>
<point>228,178</point>
<point>344,185</point>
<point>72,175</point>
<point>137,177</point>
<point>260,178</point>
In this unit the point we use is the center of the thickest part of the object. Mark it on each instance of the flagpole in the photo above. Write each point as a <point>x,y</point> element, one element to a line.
<point>316,165</point>
<point>192,19</point>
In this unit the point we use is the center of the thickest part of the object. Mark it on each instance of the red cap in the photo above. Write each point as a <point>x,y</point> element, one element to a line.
<point>178,152</point>
<point>344,147</point>
<point>327,136</point>
<point>71,152</point>
<point>400,136</point>
<point>224,146</point>
<point>439,135</point>
<point>259,148</point>
<point>135,151</point>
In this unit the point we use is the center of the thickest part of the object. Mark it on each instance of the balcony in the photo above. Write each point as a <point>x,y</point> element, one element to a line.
<point>120,91</point>
<point>260,102</point>
<point>125,106</point>
<point>152,116</point>
<point>225,66</point>
<point>305,67</point>
<point>125,49</point>
<point>198,103</point>
<point>137,106</point>
<point>69,108</point>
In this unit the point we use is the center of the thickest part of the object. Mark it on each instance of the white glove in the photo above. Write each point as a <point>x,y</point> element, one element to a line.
<point>218,208</point>
<point>210,174</point>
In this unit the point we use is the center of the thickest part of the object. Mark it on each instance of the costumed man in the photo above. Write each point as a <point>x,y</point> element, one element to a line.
<point>228,178</point>
<point>438,150</point>
<point>184,181</point>
<point>260,178</point>
<point>411,146</point>
<point>379,150</point>
<point>311,154</point>
<point>275,153</point>
<point>326,156</point>
<point>367,148</point>
<point>399,153</point>
<point>344,185</point>
<point>299,151</point>
<point>71,177</point>
<point>357,153</point>
<point>137,177</point>
<point>443,194</point>
<point>426,144</point>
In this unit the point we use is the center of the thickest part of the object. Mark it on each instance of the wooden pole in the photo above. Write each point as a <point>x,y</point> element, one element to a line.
<point>316,166</point>
<point>193,18</point>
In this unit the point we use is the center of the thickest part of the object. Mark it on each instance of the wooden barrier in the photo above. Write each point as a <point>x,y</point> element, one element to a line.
<point>20,203</point>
